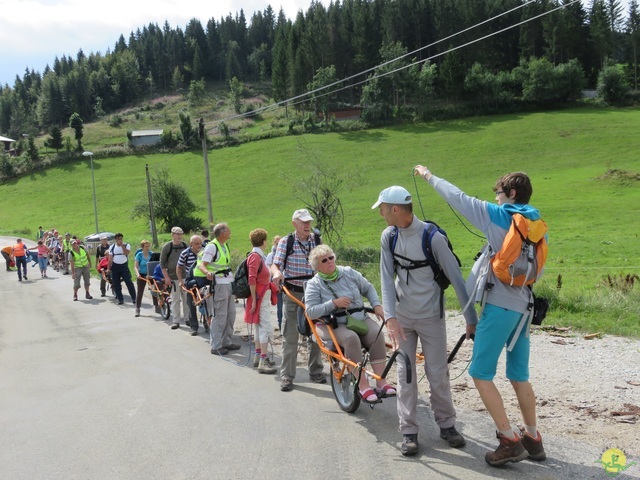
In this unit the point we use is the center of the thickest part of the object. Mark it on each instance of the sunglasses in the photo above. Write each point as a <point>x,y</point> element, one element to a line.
<point>500,191</point>
<point>325,260</point>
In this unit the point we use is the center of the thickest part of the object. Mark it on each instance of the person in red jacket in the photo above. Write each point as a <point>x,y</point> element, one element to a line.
<point>256,311</point>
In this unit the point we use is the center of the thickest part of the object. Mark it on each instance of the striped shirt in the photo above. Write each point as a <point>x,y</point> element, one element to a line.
<point>187,259</point>
<point>298,261</point>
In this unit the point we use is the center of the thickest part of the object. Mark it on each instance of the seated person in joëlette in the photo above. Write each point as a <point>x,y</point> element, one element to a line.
<point>338,291</point>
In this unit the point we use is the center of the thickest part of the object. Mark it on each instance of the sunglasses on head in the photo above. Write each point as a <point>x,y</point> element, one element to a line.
<point>325,260</point>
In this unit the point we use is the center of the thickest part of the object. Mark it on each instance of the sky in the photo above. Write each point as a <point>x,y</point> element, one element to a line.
<point>34,32</point>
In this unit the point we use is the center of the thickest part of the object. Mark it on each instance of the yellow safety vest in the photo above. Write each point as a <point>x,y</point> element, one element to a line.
<point>80,259</point>
<point>216,267</point>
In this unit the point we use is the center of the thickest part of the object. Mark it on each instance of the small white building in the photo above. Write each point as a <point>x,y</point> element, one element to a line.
<point>7,144</point>
<point>144,138</point>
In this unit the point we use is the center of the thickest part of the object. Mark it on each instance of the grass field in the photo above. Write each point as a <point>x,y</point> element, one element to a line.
<point>583,163</point>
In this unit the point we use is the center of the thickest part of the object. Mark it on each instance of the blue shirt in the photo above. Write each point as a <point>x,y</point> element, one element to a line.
<point>142,261</point>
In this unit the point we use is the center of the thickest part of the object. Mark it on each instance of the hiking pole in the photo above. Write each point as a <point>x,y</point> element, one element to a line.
<point>453,353</point>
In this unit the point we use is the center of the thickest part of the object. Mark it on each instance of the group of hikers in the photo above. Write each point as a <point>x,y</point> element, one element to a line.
<point>416,264</point>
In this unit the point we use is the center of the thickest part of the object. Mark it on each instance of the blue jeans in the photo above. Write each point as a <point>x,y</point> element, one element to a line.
<point>42,263</point>
<point>21,261</point>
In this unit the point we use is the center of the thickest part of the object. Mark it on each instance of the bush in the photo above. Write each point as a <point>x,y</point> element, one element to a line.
<point>115,121</point>
<point>612,85</point>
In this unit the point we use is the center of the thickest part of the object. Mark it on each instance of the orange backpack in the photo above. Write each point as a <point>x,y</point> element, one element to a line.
<point>524,252</point>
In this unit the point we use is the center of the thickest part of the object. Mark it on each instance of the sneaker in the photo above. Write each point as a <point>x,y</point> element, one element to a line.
<point>509,450</point>
<point>25,277</point>
<point>137,312</point>
<point>232,346</point>
<point>318,378</point>
<point>286,385</point>
<point>88,296</point>
<point>256,361</point>
<point>175,326</point>
<point>533,446</point>
<point>453,437</point>
<point>409,444</point>
<point>75,298</point>
<point>264,367</point>
<point>194,333</point>
<point>120,302</point>
<point>219,351</point>
<point>270,362</point>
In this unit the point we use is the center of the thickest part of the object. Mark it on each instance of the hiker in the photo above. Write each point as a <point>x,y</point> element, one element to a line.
<point>169,260</point>
<point>40,234</point>
<point>413,304</point>
<point>205,238</point>
<point>214,270</point>
<point>66,252</point>
<point>19,255</point>
<point>101,251</point>
<point>338,291</point>
<point>187,260</point>
<point>7,255</point>
<point>504,311</point>
<point>80,262</point>
<point>269,262</point>
<point>142,257</point>
<point>292,268</point>
<point>43,257</point>
<point>119,268</point>
<point>257,309</point>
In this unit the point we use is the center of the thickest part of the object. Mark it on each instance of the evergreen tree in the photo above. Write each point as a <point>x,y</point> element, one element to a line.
<point>55,139</point>
<point>77,124</point>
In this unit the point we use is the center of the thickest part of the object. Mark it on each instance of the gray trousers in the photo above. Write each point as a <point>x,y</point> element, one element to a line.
<point>290,337</point>
<point>432,333</point>
<point>224,316</point>
<point>178,302</point>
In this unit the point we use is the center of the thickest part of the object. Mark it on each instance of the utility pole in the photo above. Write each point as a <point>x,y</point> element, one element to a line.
<point>203,137</point>
<point>154,233</point>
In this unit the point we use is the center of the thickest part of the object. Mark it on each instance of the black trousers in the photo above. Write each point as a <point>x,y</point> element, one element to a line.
<point>120,273</point>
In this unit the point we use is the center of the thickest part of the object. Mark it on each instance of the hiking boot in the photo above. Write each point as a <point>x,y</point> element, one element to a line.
<point>264,367</point>
<point>219,351</point>
<point>318,378</point>
<point>509,450</point>
<point>286,385</point>
<point>88,296</point>
<point>269,362</point>
<point>158,309</point>
<point>533,446</point>
<point>453,437</point>
<point>256,360</point>
<point>137,312</point>
<point>409,444</point>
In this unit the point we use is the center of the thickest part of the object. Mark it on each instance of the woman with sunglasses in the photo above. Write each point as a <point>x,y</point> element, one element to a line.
<point>338,291</point>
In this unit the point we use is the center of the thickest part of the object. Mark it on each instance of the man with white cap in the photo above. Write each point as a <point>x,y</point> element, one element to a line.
<point>169,262</point>
<point>413,304</point>
<point>291,267</point>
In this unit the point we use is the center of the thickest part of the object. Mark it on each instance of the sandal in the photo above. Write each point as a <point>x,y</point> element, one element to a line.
<point>369,396</point>
<point>386,391</point>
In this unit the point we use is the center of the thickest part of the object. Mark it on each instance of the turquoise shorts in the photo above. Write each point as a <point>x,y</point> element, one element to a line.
<point>493,333</point>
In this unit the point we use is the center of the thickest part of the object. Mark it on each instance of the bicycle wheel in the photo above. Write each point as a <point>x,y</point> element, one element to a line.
<point>345,389</point>
<point>165,307</point>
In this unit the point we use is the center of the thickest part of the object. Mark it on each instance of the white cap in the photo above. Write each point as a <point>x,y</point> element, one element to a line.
<point>176,230</point>
<point>302,214</point>
<point>396,195</point>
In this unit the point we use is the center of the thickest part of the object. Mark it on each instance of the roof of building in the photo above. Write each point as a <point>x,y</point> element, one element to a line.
<point>5,139</point>
<point>145,133</point>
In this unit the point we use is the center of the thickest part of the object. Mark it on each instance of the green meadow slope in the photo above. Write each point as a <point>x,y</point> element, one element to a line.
<point>583,163</point>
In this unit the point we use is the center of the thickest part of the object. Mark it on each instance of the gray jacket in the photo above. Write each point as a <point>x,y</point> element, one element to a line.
<point>318,298</point>
<point>418,295</point>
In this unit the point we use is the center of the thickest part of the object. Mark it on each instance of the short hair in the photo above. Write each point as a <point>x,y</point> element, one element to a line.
<point>258,237</point>
<point>276,240</point>
<point>194,238</point>
<point>407,207</point>
<point>518,181</point>
<point>144,242</point>
<point>219,229</point>
<point>39,242</point>
<point>119,235</point>
<point>317,253</point>
<point>18,240</point>
<point>204,233</point>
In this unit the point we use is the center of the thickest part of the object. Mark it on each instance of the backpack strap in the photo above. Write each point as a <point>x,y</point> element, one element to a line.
<point>289,250</point>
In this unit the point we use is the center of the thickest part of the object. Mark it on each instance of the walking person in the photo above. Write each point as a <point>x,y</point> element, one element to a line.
<point>43,257</point>
<point>40,234</point>
<point>504,321</point>
<point>19,256</point>
<point>291,267</point>
<point>66,252</point>
<point>119,268</point>
<point>141,260</point>
<point>413,303</point>
<point>256,311</point>
<point>7,255</point>
<point>214,269</point>
<point>101,252</point>
<point>169,261</point>
<point>80,262</point>
<point>187,260</point>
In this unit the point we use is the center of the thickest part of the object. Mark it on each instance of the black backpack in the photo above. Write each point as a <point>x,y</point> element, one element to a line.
<point>240,285</point>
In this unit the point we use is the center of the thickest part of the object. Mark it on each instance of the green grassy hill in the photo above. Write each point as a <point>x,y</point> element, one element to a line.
<point>583,164</point>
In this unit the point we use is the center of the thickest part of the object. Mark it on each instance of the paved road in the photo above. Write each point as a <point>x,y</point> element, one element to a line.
<point>90,392</point>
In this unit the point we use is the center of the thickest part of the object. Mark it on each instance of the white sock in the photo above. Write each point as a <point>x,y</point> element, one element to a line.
<point>533,431</point>
<point>509,433</point>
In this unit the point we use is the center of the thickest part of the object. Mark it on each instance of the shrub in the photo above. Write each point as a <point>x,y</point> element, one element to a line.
<point>612,85</point>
